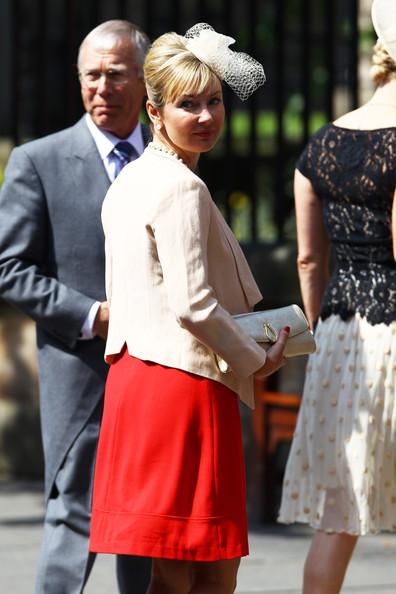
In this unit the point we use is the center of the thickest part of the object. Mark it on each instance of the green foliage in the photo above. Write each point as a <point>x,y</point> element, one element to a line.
<point>267,124</point>
<point>239,201</point>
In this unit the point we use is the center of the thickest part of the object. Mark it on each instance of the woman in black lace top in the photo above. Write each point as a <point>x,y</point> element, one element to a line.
<point>341,473</point>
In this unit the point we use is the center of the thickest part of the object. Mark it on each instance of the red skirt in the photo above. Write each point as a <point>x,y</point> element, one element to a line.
<point>170,476</point>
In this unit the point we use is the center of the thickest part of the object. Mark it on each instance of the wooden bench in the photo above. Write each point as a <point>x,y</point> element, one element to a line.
<point>274,420</point>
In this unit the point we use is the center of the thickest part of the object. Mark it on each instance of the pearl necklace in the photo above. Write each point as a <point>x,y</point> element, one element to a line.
<point>164,149</point>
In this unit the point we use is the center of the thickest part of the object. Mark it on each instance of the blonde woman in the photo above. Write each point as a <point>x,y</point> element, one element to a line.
<point>169,480</point>
<point>341,473</point>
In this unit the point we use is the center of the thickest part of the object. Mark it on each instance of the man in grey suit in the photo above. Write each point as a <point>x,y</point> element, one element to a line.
<point>52,268</point>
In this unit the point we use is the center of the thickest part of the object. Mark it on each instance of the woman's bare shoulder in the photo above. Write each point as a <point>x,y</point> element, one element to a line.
<point>371,116</point>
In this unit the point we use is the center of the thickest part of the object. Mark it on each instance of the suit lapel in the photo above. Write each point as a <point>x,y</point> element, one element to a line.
<point>85,162</point>
<point>85,166</point>
<point>246,279</point>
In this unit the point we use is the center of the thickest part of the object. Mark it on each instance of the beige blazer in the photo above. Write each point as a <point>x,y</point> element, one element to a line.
<point>175,273</point>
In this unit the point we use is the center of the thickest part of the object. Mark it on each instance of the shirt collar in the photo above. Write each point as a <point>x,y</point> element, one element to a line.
<point>105,141</point>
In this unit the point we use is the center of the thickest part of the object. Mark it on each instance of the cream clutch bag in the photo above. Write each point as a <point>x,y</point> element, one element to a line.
<point>264,327</point>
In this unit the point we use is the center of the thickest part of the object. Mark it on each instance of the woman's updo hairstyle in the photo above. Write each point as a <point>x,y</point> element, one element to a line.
<point>170,70</point>
<point>384,67</point>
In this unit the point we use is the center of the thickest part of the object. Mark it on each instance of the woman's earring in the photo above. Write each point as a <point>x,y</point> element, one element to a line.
<point>158,126</point>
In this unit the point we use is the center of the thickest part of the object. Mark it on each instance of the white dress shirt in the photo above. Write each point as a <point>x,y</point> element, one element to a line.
<point>105,142</point>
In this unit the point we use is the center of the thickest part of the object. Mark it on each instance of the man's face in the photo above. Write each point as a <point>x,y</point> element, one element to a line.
<point>111,91</point>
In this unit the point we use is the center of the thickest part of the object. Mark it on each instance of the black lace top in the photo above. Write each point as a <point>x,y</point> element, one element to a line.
<point>353,172</point>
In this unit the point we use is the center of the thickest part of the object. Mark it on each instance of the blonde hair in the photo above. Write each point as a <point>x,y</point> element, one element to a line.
<point>384,67</point>
<point>170,70</point>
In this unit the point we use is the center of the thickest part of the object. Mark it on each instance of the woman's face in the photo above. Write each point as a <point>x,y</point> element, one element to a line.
<point>191,124</point>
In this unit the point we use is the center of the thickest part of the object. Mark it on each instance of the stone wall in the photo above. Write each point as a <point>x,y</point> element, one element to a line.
<point>20,441</point>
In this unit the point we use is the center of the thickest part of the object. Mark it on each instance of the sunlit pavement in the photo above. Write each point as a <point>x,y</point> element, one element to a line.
<point>273,567</point>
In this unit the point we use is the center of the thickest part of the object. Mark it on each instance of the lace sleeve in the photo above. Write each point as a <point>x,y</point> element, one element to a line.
<point>304,162</point>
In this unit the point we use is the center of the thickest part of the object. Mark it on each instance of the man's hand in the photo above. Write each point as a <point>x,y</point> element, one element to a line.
<point>101,322</point>
<point>275,358</point>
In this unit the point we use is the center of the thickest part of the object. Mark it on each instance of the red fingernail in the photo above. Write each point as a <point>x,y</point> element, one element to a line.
<point>287,328</point>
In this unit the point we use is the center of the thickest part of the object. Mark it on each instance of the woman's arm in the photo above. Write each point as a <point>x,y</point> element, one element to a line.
<point>394,225</point>
<point>181,227</point>
<point>313,247</point>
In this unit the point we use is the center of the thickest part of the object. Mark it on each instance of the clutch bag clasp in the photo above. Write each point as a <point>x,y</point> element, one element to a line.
<point>270,332</point>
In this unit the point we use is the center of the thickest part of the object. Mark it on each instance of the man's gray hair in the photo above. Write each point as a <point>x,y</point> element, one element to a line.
<point>115,30</point>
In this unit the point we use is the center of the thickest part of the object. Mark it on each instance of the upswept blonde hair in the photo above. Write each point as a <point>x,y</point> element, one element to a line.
<point>170,70</point>
<point>384,67</point>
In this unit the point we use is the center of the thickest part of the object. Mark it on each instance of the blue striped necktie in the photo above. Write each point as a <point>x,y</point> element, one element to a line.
<point>124,152</point>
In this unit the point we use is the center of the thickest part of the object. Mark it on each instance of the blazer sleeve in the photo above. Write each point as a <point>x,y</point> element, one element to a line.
<point>24,238</point>
<point>181,228</point>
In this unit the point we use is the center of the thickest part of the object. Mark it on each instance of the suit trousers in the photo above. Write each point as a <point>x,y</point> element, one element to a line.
<point>64,562</point>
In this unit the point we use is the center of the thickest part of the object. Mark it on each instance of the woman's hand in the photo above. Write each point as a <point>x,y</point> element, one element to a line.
<point>275,358</point>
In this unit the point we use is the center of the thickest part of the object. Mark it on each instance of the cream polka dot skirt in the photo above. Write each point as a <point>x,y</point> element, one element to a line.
<point>341,471</point>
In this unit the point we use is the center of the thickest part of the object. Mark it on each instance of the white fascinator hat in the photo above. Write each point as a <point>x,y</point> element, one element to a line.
<point>239,70</point>
<point>383,14</point>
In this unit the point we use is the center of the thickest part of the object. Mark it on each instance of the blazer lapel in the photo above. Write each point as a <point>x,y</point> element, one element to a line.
<point>245,275</point>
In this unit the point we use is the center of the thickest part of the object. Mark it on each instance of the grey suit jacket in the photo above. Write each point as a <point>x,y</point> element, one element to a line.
<point>52,268</point>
